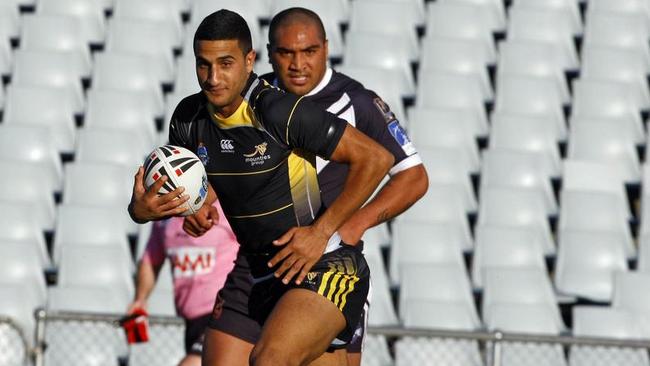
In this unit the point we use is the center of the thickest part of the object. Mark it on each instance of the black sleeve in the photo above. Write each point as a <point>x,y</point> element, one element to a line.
<point>181,121</point>
<point>299,123</point>
<point>375,119</point>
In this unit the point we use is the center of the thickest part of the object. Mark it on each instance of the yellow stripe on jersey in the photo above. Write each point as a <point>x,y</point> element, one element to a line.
<point>303,180</point>
<point>243,116</point>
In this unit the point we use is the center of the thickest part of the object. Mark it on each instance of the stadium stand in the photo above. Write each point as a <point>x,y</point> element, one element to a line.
<point>530,116</point>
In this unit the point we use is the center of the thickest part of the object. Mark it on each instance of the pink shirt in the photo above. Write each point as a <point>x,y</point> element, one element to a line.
<point>199,265</point>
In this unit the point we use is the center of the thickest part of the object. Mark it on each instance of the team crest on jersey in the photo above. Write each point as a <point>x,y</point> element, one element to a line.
<point>385,111</point>
<point>202,153</point>
<point>402,139</point>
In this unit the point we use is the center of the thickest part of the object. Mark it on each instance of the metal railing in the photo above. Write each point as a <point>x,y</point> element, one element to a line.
<point>66,338</point>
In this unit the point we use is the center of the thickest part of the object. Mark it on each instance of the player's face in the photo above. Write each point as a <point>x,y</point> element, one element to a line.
<point>298,57</point>
<point>222,70</point>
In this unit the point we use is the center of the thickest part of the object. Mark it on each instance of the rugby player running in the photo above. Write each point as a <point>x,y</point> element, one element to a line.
<point>298,53</point>
<point>265,178</point>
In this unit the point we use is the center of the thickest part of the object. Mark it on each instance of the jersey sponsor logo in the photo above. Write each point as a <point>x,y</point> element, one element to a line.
<point>258,155</point>
<point>227,146</point>
<point>192,261</point>
<point>402,139</point>
<point>385,111</point>
<point>202,153</point>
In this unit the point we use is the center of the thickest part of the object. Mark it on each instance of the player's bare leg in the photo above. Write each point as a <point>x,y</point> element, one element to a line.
<point>220,349</point>
<point>190,360</point>
<point>299,331</point>
<point>354,359</point>
<point>336,358</point>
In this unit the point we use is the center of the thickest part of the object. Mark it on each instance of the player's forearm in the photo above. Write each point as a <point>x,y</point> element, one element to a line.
<point>145,280</point>
<point>364,175</point>
<point>212,196</point>
<point>399,193</point>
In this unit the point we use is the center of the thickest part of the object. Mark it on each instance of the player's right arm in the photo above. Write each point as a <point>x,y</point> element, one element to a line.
<point>146,205</point>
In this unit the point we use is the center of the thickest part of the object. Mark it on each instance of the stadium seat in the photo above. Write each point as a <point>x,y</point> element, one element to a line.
<point>606,99</point>
<point>18,224</point>
<point>161,299</point>
<point>56,33</point>
<point>586,263</point>
<point>596,212</point>
<point>125,148</point>
<point>552,26</point>
<point>536,59</point>
<point>185,82</point>
<point>56,112</point>
<point>424,313</point>
<point>507,168</point>
<point>594,321</point>
<point>499,246</point>
<point>128,72</point>
<point>448,166</point>
<point>457,55</point>
<point>104,267</point>
<point>111,184</point>
<point>445,89</point>
<point>89,13</point>
<point>332,14</point>
<point>643,265</point>
<point>50,69</point>
<point>124,111</point>
<point>21,264</point>
<point>629,31</point>
<point>382,312</point>
<point>462,116</point>
<point>569,8</point>
<point>439,283</point>
<point>26,186</point>
<point>606,143</point>
<point>389,84</point>
<point>461,21</point>
<point>86,299</point>
<point>592,177</point>
<point>9,21</point>
<point>631,294</point>
<point>375,351</point>
<point>518,208</point>
<point>87,225</point>
<point>424,243</point>
<point>165,14</point>
<point>527,134</point>
<point>5,56</point>
<point>367,49</point>
<point>495,13</point>
<point>519,287</point>
<point>531,97</point>
<point>133,36</point>
<point>447,133</point>
<point>387,17</point>
<point>32,145</point>
<point>617,64</point>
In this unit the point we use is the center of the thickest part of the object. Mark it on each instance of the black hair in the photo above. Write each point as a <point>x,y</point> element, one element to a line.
<point>225,25</point>
<point>287,16</point>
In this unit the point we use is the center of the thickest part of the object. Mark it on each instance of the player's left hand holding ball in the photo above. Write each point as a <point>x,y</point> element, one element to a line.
<point>147,205</point>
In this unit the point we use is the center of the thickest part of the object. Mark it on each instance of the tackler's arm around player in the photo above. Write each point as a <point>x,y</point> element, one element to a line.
<point>207,216</point>
<point>147,205</point>
<point>303,246</point>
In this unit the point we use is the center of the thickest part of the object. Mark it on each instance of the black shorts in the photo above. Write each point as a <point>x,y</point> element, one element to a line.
<point>342,276</point>
<point>194,334</point>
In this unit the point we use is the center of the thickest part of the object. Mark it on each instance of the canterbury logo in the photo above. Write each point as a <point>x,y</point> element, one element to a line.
<point>227,145</point>
<point>259,149</point>
<point>337,283</point>
<point>311,275</point>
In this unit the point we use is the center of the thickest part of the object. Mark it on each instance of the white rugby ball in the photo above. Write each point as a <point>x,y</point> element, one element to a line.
<point>183,168</point>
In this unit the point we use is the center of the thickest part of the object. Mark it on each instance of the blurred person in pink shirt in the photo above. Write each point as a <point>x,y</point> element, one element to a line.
<point>199,269</point>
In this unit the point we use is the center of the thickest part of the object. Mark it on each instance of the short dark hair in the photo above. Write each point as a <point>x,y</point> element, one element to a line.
<point>296,14</point>
<point>225,25</point>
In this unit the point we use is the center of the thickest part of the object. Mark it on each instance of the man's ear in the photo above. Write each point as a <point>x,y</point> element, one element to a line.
<point>250,60</point>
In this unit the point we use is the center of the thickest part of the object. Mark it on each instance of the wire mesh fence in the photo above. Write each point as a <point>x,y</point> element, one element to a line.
<point>14,350</point>
<point>71,339</point>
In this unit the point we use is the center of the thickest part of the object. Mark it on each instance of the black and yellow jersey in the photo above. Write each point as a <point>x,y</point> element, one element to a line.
<point>261,159</point>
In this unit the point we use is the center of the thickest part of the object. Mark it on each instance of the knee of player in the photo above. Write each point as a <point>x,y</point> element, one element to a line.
<point>272,356</point>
